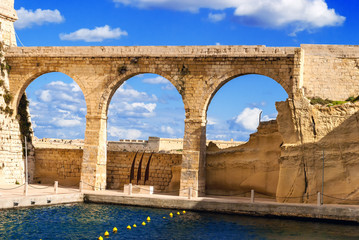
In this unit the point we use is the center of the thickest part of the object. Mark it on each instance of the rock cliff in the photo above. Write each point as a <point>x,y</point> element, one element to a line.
<point>253,165</point>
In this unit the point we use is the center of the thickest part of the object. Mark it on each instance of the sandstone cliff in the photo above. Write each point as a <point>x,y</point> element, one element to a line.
<point>253,165</point>
<point>329,132</point>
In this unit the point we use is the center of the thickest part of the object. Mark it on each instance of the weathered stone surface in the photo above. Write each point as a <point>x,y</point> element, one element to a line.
<point>333,130</point>
<point>198,72</point>
<point>253,165</point>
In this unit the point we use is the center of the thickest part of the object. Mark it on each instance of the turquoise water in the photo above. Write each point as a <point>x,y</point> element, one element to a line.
<point>89,221</point>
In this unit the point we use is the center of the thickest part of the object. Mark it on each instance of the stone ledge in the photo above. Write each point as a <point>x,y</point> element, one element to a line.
<point>152,51</point>
<point>326,212</point>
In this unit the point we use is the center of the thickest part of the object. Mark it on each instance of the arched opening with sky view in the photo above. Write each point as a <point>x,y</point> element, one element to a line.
<point>146,105</point>
<point>57,107</point>
<point>234,111</point>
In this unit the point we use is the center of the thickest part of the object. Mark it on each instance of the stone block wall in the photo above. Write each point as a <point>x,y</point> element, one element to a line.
<point>64,165</point>
<point>54,164</point>
<point>7,18</point>
<point>331,71</point>
<point>160,169</point>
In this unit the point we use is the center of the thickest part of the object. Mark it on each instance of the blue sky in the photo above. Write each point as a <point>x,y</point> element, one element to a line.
<point>148,105</point>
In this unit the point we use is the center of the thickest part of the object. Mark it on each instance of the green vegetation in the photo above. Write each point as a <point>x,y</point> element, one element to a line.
<point>7,97</point>
<point>329,102</point>
<point>23,116</point>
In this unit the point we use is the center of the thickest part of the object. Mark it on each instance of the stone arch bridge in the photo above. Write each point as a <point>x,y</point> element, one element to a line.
<point>197,72</point>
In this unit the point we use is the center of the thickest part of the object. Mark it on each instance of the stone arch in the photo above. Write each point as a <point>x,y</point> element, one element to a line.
<point>234,74</point>
<point>111,89</point>
<point>29,78</point>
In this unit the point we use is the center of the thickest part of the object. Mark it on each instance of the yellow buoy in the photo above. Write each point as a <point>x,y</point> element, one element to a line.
<point>134,225</point>
<point>143,223</point>
<point>129,227</point>
<point>184,211</point>
<point>106,234</point>
<point>100,238</point>
<point>114,229</point>
<point>148,219</point>
<point>171,214</point>
<point>178,213</point>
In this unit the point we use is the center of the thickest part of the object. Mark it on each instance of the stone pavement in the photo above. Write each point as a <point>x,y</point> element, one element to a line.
<point>39,195</point>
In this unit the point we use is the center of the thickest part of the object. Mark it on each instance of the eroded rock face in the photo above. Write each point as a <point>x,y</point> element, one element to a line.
<point>332,132</point>
<point>253,165</point>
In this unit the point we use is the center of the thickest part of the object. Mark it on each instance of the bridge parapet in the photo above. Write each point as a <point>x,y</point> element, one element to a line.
<point>152,51</point>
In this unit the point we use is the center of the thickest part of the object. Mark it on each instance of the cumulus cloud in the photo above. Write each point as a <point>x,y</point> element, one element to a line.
<point>29,18</point>
<point>135,109</point>
<point>216,17</point>
<point>98,34</point>
<point>121,133</point>
<point>127,93</point>
<point>300,14</point>
<point>66,122</point>
<point>59,111</point>
<point>159,80</point>
<point>168,130</point>
<point>45,96</point>
<point>249,118</point>
<point>155,80</point>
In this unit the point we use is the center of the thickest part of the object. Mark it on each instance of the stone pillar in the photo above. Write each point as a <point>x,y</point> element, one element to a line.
<point>193,158</point>
<point>93,172</point>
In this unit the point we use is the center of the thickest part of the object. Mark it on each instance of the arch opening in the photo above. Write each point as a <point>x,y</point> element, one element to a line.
<point>239,104</point>
<point>57,107</point>
<point>243,115</point>
<point>145,128</point>
<point>57,110</point>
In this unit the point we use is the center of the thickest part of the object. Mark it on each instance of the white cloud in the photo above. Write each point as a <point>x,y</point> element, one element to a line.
<point>58,111</point>
<point>75,87</point>
<point>159,80</point>
<point>66,122</point>
<point>211,121</point>
<point>57,84</point>
<point>216,17</point>
<point>249,118</point>
<point>45,96</point>
<point>28,18</point>
<point>300,14</point>
<point>155,80</point>
<point>98,34</point>
<point>168,130</point>
<point>121,133</point>
<point>126,93</point>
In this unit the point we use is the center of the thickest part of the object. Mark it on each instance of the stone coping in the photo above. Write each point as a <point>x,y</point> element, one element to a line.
<point>233,205</point>
<point>152,51</point>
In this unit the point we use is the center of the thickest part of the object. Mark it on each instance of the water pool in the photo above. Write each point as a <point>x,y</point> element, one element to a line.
<point>89,221</point>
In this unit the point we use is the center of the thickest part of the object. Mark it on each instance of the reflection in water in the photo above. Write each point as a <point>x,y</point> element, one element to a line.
<point>89,221</point>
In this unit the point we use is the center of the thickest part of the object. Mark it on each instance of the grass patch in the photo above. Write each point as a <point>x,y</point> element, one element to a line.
<point>328,102</point>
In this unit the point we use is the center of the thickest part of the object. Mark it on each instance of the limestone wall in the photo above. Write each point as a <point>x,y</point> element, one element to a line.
<point>7,17</point>
<point>56,164</point>
<point>11,155</point>
<point>331,71</point>
<point>64,165</point>
<point>160,170</point>
<point>333,130</point>
<point>253,165</point>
